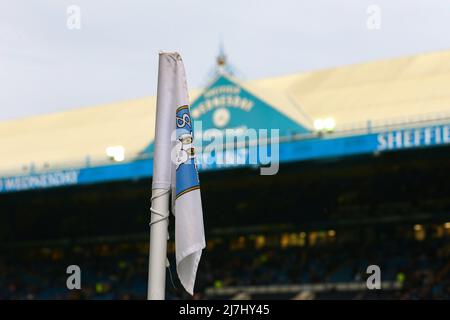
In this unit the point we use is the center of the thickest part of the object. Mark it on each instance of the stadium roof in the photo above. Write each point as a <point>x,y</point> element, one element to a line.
<point>413,88</point>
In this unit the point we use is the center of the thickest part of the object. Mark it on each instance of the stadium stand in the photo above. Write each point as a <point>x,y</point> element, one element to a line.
<point>361,194</point>
<point>412,269</point>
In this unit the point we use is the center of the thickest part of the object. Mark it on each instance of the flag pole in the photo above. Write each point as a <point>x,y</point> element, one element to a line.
<point>158,244</point>
<point>161,185</point>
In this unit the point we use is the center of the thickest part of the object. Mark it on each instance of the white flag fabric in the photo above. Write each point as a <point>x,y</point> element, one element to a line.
<point>175,168</point>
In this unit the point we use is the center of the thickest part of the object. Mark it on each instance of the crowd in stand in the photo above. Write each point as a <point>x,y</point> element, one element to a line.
<point>119,270</point>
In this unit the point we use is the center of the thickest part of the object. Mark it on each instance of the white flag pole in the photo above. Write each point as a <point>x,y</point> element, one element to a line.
<point>161,186</point>
<point>158,244</point>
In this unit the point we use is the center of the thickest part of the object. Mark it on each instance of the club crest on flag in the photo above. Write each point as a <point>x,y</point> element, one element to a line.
<point>186,168</point>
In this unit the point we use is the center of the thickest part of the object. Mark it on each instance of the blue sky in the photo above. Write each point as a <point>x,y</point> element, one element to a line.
<point>45,67</point>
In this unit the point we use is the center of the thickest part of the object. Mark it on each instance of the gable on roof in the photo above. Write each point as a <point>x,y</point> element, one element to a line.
<point>225,104</point>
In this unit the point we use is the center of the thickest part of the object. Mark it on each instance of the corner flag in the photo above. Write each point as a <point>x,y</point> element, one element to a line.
<point>174,170</point>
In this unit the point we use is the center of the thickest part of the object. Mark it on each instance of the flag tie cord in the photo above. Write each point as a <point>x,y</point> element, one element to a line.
<point>163,215</point>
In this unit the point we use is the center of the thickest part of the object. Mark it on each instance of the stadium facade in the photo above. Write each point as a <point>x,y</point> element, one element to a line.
<point>374,107</point>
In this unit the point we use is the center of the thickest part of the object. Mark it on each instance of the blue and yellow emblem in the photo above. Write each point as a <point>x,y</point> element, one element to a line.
<point>186,168</point>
